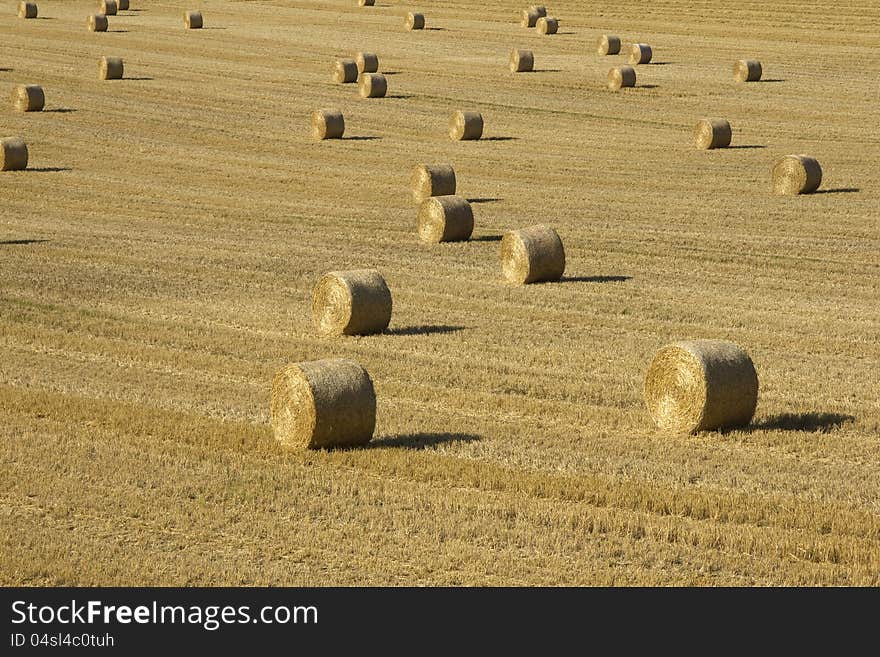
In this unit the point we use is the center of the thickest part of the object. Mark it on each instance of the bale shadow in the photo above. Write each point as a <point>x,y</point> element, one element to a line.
<point>806,422</point>
<point>499,139</point>
<point>544,70</point>
<point>20,242</point>
<point>400,96</point>
<point>487,238</point>
<point>594,279</point>
<point>435,29</point>
<point>60,110</point>
<point>6,70</point>
<point>566,32</point>
<point>48,169</point>
<point>142,77</point>
<point>484,200</point>
<point>422,440</point>
<point>213,27</point>
<point>426,329</point>
<point>772,80</point>
<point>738,146</point>
<point>660,63</point>
<point>390,72</point>
<point>838,190</point>
<point>360,138</point>
<point>119,31</point>
<point>647,86</point>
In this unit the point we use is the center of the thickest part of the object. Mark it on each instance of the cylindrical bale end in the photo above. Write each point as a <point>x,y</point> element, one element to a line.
<point>28,98</point>
<point>345,71</point>
<point>608,45</point>
<point>27,9</point>
<point>13,154</point>
<point>366,3</point>
<point>445,219</point>
<point>97,23</point>
<point>529,18</point>
<point>328,124</point>
<point>112,68</point>
<point>323,404</point>
<point>193,20</point>
<point>373,85</point>
<point>621,76</point>
<point>701,385</point>
<point>432,180</point>
<point>547,25</point>
<point>354,302</point>
<point>640,53</point>
<point>521,61</point>
<point>414,21</point>
<point>122,5</point>
<point>109,7</point>
<point>367,62</point>
<point>532,255</point>
<point>747,70</point>
<point>465,125</point>
<point>796,174</point>
<point>712,133</point>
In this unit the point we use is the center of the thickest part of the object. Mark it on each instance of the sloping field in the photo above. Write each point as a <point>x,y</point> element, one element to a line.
<point>157,262</point>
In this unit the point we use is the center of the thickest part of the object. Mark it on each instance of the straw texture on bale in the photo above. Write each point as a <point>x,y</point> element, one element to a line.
<point>27,9</point>
<point>531,255</point>
<point>701,385</point>
<point>621,76</point>
<point>322,404</point>
<point>109,7</point>
<point>328,124</point>
<point>367,62</point>
<point>445,219</point>
<point>97,23</point>
<point>414,21</point>
<point>366,3</point>
<point>747,70</point>
<point>465,125</point>
<point>432,180</point>
<point>354,302</point>
<point>521,61</point>
<point>112,68</point>
<point>530,18</point>
<point>640,53</point>
<point>712,133</point>
<point>13,154</point>
<point>546,25</point>
<point>796,174</point>
<point>193,20</point>
<point>28,98</point>
<point>122,5</point>
<point>608,45</point>
<point>345,70</point>
<point>373,85</point>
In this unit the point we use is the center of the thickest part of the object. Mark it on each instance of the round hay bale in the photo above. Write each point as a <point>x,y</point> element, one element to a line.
<point>621,76</point>
<point>367,62</point>
<point>97,23</point>
<point>541,10</point>
<point>366,3</point>
<point>445,219</point>
<point>747,70</point>
<point>533,254</point>
<point>640,53</point>
<point>112,68</point>
<point>521,61</point>
<point>109,7</point>
<point>547,25</point>
<point>796,174</point>
<point>13,154</point>
<point>701,385</point>
<point>373,85</point>
<point>414,21</point>
<point>192,20</point>
<point>712,133</point>
<point>28,98</point>
<point>529,18</point>
<point>608,45</point>
<point>432,180</point>
<point>322,404</point>
<point>328,124</point>
<point>465,125</point>
<point>122,5</point>
<point>345,71</point>
<point>27,9</point>
<point>354,302</point>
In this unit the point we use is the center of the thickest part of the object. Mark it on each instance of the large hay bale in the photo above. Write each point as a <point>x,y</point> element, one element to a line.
<point>322,404</point>
<point>109,7</point>
<point>530,18</point>
<point>531,255</point>
<point>112,68</point>
<point>354,302</point>
<point>366,3</point>
<point>414,21</point>
<point>547,25</point>
<point>13,154</point>
<point>328,124</point>
<point>608,45</point>
<point>465,125</point>
<point>345,70</point>
<point>97,23</point>
<point>367,62</point>
<point>541,10</point>
<point>122,5</point>
<point>432,180</point>
<point>747,70</point>
<point>701,385</point>
<point>28,98</point>
<point>621,76</point>
<point>27,9</point>
<point>796,174</point>
<point>445,219</point>
<point>521,61</point>
<point>640,53</point>
<point>712,133</point>
<point>373,85</point>
<point>193,20</point>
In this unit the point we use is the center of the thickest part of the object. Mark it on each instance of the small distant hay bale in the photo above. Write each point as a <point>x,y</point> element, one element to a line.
<point>445,219</point>
<point>328,124</point>
<point>97,23</point>
<point>28,98</point>
<point>356,302</point>
<point>27,9</point>
<point>112,68</point>
<point>747,70</point>
<point>465,126</point>
<point>530,18</point>
<point>621,76</point>
<point>345,70</point>
<point>109,7</point>
<point>640,53</point>
<point>13,154</point>
<point>712,133</point>
<point>532,255</point>
<point>367,62</point>
<point>366,3</point>
<point>122,5</point>
<point>414,21</point>
<point>541,10</point>
<point>546,25</point>
<point>796,174</point>
<point>373,85</point>
<point>432,180</point>
<point>521,61</point>
<point>323,404</point>
<point>608,45</point>
<point>701,385</point>
<point>193,20</point>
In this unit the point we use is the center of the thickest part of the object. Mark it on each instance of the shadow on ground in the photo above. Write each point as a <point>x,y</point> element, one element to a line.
<point>422,440</point>
<point>423,330</point>
<point>807,422</point>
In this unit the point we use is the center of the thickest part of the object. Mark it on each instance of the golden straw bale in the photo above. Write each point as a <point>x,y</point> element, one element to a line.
<point>414,21</point>
<point>97,23</point>
<point>27,9</point>
<point>193,20</point>
<point>546,25</point>
<point>366,3</point>
<point>608,45</point>
<point>521,61</point>
<point>432,180</point>
<point>322,404</point>
<point>109,7</point>
<point>13,154</point>
<point>747,70</point>
<point>373,85</point>
<point>529,18</point>
<point>345,70</point>
<point>356,302</point>
<point>712,133</point>
<point>112,68</point>
<point>621,76</point>
<point>701,385</point>
<point>541,10</point>
<point>328,124</point>
<point>367,62</point>
<point>640,53</point>
<point>796,174</point>
<point>533,254</point>
<point>445,219</point>
<point>465,125</point>
<point>122,5</point>
<point>28,98</point>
